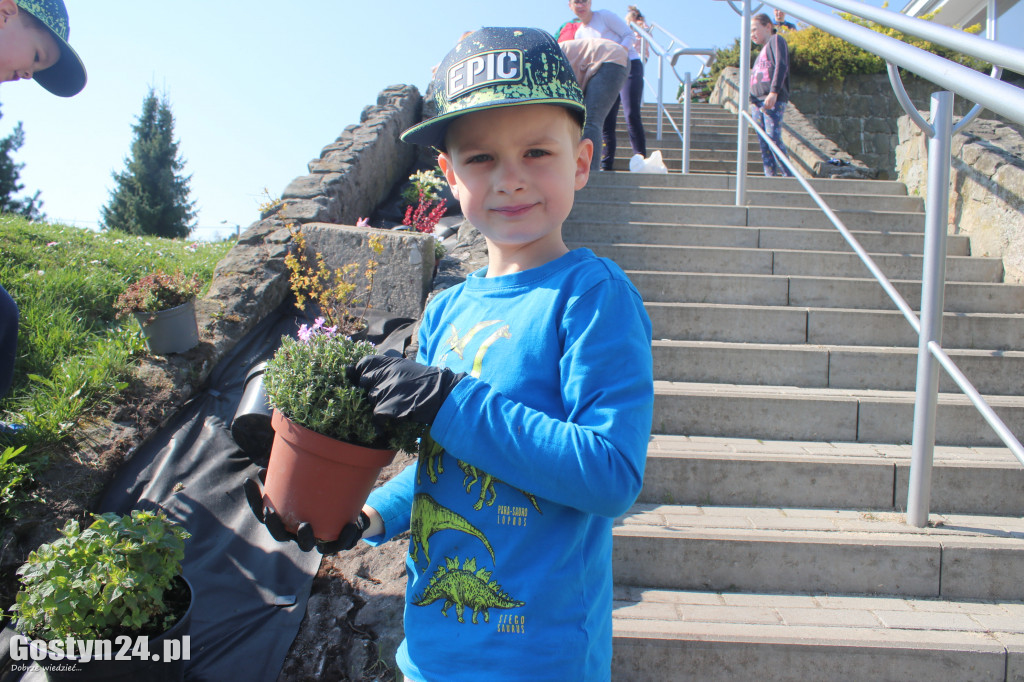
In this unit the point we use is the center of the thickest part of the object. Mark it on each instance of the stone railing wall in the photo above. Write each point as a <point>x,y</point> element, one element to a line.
<point>345,182</point>
<point>805,143</point>
<point>861,113</point>
<point>986,186</point>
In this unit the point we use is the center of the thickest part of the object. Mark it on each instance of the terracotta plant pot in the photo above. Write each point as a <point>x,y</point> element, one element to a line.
<point>170,331</point>
<point>317,479</point>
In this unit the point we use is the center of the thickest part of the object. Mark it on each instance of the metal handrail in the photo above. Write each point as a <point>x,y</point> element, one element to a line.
<point>706,57</point>
<point>887,285</point>
<point>1002,98</point>
<point>982,48</point>
<point>935,349</point>
<point>985,91</point>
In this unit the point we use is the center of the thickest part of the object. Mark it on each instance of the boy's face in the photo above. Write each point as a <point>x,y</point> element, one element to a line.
<point>25,48</point>
<point>515,171</point>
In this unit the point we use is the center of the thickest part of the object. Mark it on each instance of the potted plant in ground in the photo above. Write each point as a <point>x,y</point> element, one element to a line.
<point>328,449</point>
<point>164,305</point>
<point>111,591</point>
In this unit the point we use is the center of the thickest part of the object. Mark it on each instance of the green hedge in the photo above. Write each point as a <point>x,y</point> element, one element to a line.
<point>817,54</point>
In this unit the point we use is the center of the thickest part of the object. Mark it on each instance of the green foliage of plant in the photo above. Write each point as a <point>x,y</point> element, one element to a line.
<point>342,301</point>
<point>73,355</point>
<point>107,580</point>
<point>725,57</point>
<point>817,54</point>
<point>157,291</point>
<point>821,55</point>
<point>15,478</point>
<point>425,182</point>
<point>151,197</point>
<point>306,380</point>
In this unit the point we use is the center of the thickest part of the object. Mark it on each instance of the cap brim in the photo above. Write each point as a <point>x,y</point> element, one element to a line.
<point>431,133</point>
<point>66,77</point>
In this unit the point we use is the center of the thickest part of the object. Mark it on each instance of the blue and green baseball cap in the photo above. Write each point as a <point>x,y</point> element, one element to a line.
<point>498,67</point>
<point>67,76</point>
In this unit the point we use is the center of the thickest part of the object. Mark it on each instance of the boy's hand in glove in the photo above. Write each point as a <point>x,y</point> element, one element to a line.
<point>399,388</point>
<point>303,535</point>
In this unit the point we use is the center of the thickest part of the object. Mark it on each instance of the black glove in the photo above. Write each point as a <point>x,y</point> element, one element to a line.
<point>303,535</point>
<point>400,388</point>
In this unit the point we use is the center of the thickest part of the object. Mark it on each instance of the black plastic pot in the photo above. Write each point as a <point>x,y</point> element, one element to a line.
<point>250,426</point>
<point>156,669</point>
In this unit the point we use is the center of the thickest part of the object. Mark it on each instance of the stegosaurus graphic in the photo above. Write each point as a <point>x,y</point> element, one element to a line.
<point>429,517</point>
<point>487,492</point>
<point>466,586</point>
<point>430,459</point>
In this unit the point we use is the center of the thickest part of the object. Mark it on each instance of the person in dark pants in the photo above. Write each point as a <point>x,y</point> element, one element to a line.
<point>600,67</point>
<point>601,23</point>
<point>769,91</point>
<point>8,340</point>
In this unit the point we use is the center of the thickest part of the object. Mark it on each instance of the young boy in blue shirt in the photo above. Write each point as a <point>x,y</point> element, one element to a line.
<point>535,376</point>
<point>33,44</point>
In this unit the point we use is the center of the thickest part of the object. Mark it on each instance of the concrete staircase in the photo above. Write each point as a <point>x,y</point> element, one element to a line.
<point>769,540</point>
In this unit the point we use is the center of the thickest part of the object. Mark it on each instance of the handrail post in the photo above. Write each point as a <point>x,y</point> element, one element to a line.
<point>741,131</point>
<point>933,284</point>
<point>661,104</point>
<point>686,124</point>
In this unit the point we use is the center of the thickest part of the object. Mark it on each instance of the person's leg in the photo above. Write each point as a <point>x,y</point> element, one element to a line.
<point>8,340</point>
<point>632,94</point>
<point>767,158</point>
<point>773,126</point>
<point>602,91</point>
<point>608,134</point>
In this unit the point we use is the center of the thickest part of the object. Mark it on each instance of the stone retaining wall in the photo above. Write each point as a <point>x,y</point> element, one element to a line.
<point>348,179</point>
<point>805,143</point>
<point>986,187</point>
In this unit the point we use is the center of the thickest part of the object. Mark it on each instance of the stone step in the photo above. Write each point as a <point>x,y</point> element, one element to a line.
<point>827,326</point>
<point>727,197</point>
<point>799,550</point>
<point>821,414</point>
<point>801,238</point>
<point>702,214</point>
<point>699,139</point>
<point>621,164</point>
<point>817,366</point>
<point>727,636</point>
<point>818,292</point>
<point>665,258</point>
<point>754,182</point>
<point>674,154</point>
<point>722,471</point>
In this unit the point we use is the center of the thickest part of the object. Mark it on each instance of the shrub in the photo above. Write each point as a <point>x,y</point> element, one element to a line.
<point>108,580</point>
<point>818,54</point>
<point>307,381</point>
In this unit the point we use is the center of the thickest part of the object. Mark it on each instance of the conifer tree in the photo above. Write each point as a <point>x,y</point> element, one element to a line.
<point>10,184</point>
<point>151,196</point>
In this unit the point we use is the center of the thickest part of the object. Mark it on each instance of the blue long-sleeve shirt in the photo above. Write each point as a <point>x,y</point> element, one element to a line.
<point>543,446</point>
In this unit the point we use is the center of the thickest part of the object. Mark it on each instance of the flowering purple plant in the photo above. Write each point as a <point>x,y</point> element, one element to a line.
<point>307,381</point>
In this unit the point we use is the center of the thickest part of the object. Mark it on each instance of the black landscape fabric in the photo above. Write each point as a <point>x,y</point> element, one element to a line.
<point>250,591</point>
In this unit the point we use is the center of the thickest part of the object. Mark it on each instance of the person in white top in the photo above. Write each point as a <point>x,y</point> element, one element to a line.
<point>602,23</point>
<point>635,16</point>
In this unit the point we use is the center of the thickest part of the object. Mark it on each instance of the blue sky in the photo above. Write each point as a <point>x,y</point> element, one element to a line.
<point>258,88</point>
